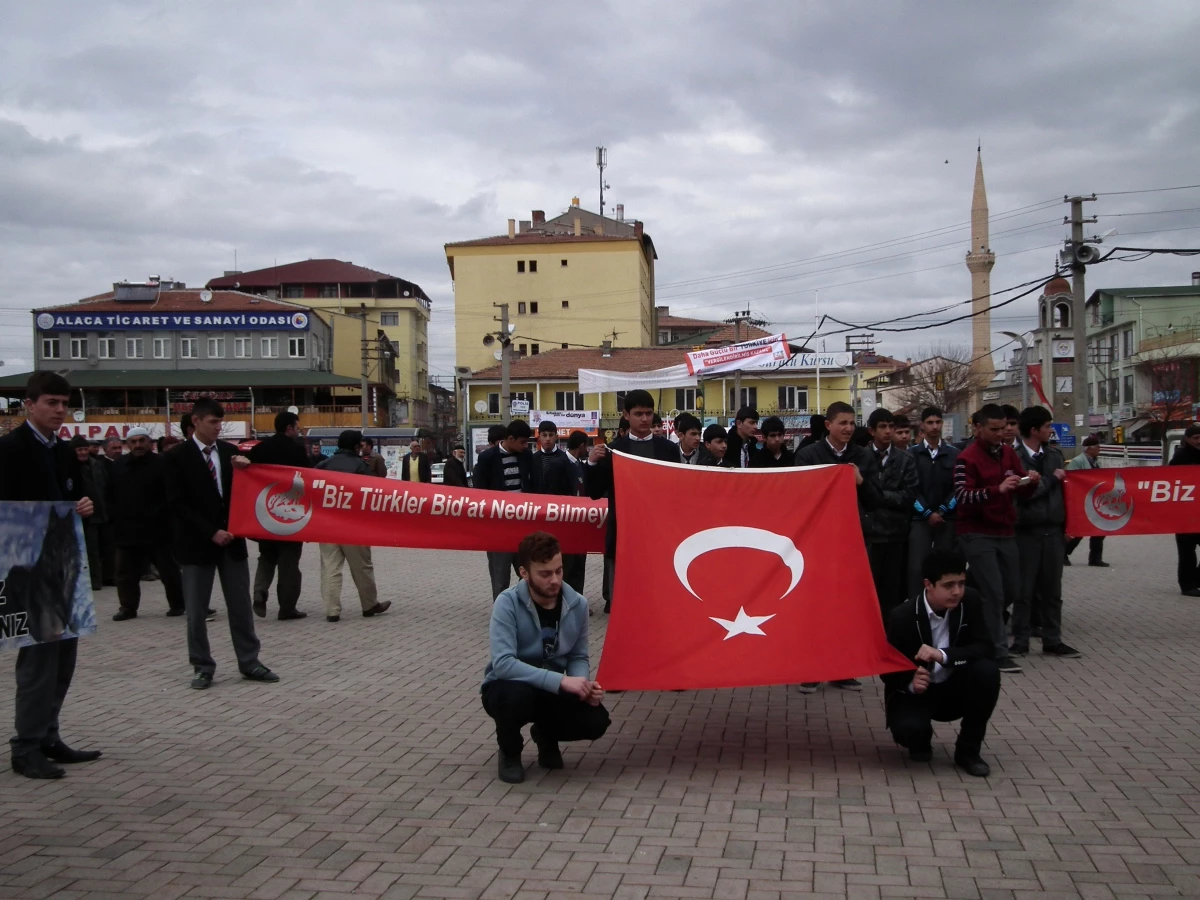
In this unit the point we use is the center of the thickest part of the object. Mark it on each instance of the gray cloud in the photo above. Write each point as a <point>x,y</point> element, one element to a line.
<point>145,138</point>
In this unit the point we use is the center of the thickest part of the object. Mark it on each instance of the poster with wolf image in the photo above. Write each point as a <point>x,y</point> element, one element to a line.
<point>45,587</point>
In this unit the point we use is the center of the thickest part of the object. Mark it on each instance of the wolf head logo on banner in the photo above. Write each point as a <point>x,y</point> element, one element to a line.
<point>283,510</point>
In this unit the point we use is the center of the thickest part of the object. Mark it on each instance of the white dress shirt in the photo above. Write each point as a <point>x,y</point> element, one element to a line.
<point>939,634</point>
<point>216,461</point>
<point>933,451</point>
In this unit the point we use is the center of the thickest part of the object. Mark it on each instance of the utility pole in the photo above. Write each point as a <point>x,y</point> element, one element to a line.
<point>505,345</point>
<point>365,356</point>
<point>1079,392</point>
<point>736,320</point>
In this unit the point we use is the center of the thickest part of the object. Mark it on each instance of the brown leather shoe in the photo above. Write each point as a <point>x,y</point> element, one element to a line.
<point>377,609</point>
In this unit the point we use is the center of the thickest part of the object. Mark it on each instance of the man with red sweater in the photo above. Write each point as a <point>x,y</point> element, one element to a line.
<point>988,476</point>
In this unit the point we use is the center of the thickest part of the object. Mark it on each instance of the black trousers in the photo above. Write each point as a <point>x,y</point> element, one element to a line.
<point>970,694</point>
<point>501,567</point>
<point>1189,572</point>
<point>889,570</point>
<point>101,554</point>
<point>283,556</point>
<point>132,563</point>
<point>1095,548</point>
<point>44,674</point>
<point>559,717</point>
<point>574,570</point>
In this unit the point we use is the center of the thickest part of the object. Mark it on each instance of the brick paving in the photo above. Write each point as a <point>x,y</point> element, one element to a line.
<point>370,770</point>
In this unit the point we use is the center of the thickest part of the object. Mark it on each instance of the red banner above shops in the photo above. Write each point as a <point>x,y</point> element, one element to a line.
<point>280,503</point>
<point>1150,500</point>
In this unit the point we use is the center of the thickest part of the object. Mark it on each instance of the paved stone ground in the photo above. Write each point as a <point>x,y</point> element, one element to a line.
<point>369,771</point>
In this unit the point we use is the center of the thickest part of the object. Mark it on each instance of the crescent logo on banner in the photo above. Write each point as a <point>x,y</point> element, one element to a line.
<point>1109,510</point>
<point>282,508</point>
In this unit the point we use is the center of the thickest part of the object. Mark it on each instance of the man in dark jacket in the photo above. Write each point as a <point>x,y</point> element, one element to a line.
<point>835,449</point>
<point>505,467</point>
<point>554,472</point>
<point>714,450</point>
<point>1041,541</point>
<point>36,466</point>
<point>816,431</point>
<point>774,454</point>
<point>886,526</point>
<point>740,443</point>
<point>1186,545</point>
<point>358,558</point>
<point>141,527</point>
<point>199,489</point>
<point>455,472</point>
<point>933,510</point>
<point>93,473</point>
<point>943,632</point>
<point>641,442</point>
<point>577,451</point>
<point>283,448</point>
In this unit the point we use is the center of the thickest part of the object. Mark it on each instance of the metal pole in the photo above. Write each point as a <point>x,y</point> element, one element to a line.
<point>505,344</point>
<point>816,328</point>
<point>363,313</point>
<point>737,375</point>
<point>1079,408</point>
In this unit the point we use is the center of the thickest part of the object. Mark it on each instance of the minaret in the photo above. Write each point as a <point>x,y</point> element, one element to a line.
<point>980,260</point>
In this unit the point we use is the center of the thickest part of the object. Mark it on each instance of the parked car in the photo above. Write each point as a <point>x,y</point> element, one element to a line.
<point>438,470</point>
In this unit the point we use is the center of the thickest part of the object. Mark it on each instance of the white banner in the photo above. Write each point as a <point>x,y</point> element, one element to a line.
<point>567,420</point>
<point>231,430</point>
<point>602,381</point>
<point>760,351</point>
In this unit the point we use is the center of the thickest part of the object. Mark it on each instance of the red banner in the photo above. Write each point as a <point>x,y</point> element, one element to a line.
<point>765,581</point>
<point>1134,500</point>
<point>280,503</point>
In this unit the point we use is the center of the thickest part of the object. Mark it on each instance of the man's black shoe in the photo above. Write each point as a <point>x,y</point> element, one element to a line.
<point>510,769</point>
<point>35,765</point>
<point>210,615</point>
<point>1191,592</point>
<point>294,614</point>
<point>549,756</point>
<point>1063,650</point>
<point>608,606</point>
<point>378,609</point>
<point>174,612</point>
<point>848,684</point>
<point>260,608</point>
<point>1099,564</point>
<point>1008,666</point>
<point>124,615</point>
<point>60,752</point>
<point>202,681</point>
<point>333,618</point>
<point>920,754</point>
<point>1018,649</point>
<point>1066,560</point>
<point>261,673</point>
<point>972,764</point>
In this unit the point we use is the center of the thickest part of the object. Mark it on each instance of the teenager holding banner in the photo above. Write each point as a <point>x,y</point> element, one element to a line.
<point>36,466</point>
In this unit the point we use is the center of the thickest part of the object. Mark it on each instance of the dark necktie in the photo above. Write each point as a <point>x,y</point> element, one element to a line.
<point>212,469</point>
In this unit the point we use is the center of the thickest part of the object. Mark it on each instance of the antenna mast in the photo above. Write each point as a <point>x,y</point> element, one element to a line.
<point>602,164</point>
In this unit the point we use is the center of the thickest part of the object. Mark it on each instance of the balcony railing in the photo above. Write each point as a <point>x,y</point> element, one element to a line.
<point>1175,338</point>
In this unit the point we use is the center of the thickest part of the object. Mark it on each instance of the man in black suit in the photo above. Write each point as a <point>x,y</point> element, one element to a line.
<point>504,467</point>
<point>283,448</point>
<point>740,443</point>
<point>36,466</point>
<point>199,485</point>
<point>944,633</point>
<point>553,471</point>
<point>640,441</point>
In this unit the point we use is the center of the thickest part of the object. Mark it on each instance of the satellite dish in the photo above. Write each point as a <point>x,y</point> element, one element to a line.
<point>499,354</point>
<point>93,360</point>
<point>480,406</point>
<point>206,296</point>
<point>294,410</point>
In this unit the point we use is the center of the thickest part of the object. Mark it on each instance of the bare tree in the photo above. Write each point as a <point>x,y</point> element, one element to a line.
<point>943,377</point>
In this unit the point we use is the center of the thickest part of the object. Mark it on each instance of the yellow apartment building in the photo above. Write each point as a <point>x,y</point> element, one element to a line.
<point>576,280</point>
<point>549,382</point>
<point>397,313</point>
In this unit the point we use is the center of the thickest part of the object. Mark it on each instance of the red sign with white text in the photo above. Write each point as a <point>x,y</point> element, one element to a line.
<point>1135,500</point>
<point>280,503</point>
<point>765,582</point>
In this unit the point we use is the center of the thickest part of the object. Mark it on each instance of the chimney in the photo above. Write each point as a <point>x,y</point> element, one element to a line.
<point>662,310</point>
<point>1196,278</point>
<point>524,226</point>
<point>229,273</point>
<point>575,202</point>
<point>606,349</point>
<point>637,229</point>
<point>578,226</point>
<point>512,228</point>
<point>599,228</point>
<point>620,212</point>
<point>539,217</point>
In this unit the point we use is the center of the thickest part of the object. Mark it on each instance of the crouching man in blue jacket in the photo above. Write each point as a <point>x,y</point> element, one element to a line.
<point>538,671</point>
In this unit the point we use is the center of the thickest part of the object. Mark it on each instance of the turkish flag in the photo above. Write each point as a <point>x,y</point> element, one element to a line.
<point>739,577</point>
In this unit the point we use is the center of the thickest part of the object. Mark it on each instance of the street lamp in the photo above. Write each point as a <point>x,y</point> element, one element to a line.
<point>1024,365</point>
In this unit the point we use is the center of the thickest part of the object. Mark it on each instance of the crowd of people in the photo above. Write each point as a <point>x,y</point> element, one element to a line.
<point>966,542</point>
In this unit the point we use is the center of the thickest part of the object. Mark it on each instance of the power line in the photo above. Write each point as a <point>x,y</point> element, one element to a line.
<point>1181,187</point>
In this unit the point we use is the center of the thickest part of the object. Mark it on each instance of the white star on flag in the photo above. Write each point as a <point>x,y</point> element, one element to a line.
<point>743,624</point>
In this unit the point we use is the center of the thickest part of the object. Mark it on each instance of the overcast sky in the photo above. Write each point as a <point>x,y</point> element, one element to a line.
<point>148,138</point>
